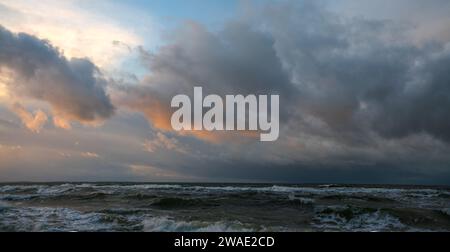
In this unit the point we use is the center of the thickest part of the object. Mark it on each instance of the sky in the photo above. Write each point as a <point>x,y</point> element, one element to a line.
<point>85,90</point>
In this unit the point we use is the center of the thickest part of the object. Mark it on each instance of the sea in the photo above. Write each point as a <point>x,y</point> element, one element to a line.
<point>167,207</point>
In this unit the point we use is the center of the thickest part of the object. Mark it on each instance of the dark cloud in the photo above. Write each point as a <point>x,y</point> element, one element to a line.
<point>421,103</point>
<point>361,101</point>
<point>236,60</point>
<point>74,88</point>
<point>355,75</point>
<point>354,91</point>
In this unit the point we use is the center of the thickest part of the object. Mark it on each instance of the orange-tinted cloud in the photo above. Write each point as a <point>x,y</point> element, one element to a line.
<point>33,122</point>
<point>62,123</point>
<point>74,89</point>
<point>157,110</point>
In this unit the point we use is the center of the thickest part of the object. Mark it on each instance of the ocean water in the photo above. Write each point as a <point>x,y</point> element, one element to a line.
<point>115,207</point>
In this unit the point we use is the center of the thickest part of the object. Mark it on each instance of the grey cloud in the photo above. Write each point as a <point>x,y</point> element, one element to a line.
<point>354,91</point>
<point>236,59</point>
<point>361,102</point>
<point>358,73</point>
<point>354,74</point>
<point>74,88</point>
<point>422,105</point>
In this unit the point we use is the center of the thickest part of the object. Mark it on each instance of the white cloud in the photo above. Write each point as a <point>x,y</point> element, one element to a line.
<point>78,32</point>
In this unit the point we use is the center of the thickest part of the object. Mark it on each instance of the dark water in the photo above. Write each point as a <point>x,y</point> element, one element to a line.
<point>215,207</point>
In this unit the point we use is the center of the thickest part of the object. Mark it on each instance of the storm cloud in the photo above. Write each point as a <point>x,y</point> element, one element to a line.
<point>237,60</point>
<point>356,73</point>
<point>364,96</point>
<point>351,74</point>
<point>75,88</point>
<point>357,94</point>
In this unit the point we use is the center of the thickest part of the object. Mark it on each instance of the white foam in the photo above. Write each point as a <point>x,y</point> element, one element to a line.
<point>367,222</point>
<point>302,200</point>
<point>15,188</point>
<point>56,189</point>
<point>37,219</point>
<point>167,224</point>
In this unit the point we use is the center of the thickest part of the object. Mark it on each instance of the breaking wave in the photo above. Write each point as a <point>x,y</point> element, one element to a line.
<point>357,220</point>
<point>166,224</point>
<point>221,207</point>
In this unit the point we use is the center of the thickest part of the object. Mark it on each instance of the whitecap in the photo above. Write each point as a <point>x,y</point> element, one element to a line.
<point>167,224</point>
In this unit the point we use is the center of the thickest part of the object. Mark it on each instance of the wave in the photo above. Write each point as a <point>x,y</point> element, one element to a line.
<point>357,220</point>
<point>137,207</point>
<point>47,219</point>
<point>56,190</point>
<point>38,219</point>
<point>321,189</point>
<point>12,197</point>
<point>152,191</point>
<point>168,203</point>
<point>167,224</point>
<point>301,200</point>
